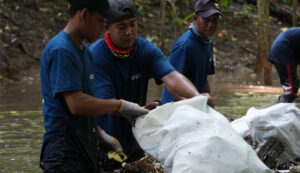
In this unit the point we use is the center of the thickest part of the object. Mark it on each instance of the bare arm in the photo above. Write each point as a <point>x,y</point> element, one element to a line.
<point>207,88</point>
<point>207,93</point>
<point>80,103</point>
<point>179,86</point>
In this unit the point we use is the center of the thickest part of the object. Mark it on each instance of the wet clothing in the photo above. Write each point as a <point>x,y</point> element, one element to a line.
<point>70,143</point>
<point>191,55</point>
<point>126,79</point>
<point>285,55</point>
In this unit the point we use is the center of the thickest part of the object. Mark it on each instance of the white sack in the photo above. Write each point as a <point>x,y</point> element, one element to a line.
<point>281,121</point>
<point>190,137</point>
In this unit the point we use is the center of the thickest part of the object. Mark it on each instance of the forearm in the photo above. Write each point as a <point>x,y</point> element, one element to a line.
<point>179,86</point>
<point>206,87</point>
<point>80,103</point>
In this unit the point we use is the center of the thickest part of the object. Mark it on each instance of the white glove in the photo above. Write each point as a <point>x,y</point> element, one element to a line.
<point>110,140</point>
<point>131,111</point>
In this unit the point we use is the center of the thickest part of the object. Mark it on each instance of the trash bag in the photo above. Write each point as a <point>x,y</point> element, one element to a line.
<point>280,122</point>
<point>188,136</point>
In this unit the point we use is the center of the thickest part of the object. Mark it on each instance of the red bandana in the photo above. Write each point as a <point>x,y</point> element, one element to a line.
<point>120,53</point>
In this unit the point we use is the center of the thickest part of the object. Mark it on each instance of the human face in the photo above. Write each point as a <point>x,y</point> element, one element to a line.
<point>207,26</point>
<point>93,25</point>
<point>123,33</point>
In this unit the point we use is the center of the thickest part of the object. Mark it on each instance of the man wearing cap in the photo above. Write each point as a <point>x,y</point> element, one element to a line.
<point>71,143</point>
<point>124,62</point>
<point>192,53</point>
<point>284,55</point>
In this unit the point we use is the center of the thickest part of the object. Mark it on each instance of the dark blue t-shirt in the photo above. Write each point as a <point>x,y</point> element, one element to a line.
<point>126,79</point>
<point>192,57</point>
<point>286,47</point>
<point>64,67</point>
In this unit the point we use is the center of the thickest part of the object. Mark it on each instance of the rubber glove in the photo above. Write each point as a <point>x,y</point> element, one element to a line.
<point>131,111</point>
<point>110,140</point>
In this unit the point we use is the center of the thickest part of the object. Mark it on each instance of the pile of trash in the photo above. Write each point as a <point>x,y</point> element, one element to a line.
<point>146,164</point>
<point>274,134</point>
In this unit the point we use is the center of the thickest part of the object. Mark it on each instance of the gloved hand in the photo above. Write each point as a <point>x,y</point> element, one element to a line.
<point>110,140</point>
<point>131,111</point>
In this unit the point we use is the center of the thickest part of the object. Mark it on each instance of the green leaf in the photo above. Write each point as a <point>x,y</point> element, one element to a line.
<point>187,18</point>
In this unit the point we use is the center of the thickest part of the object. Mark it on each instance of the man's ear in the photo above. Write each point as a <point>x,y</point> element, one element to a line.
<point>83,13</point>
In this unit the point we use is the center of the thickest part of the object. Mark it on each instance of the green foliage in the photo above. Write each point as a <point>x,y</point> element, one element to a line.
<point>225,2</point>
<point>142,4</point>
<point>182,21</point>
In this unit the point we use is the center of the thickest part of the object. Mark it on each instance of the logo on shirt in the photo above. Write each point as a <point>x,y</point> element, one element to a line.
<point>210,59</point>
<point>92,77</point>
<point>136,76</point>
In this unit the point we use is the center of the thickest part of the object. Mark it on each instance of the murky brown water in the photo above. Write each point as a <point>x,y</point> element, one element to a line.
<point>21,120</point>
<point>21,126</point>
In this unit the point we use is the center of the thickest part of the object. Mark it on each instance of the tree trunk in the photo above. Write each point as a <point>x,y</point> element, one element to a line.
<point>263,67</point>
<point>163,22</point>
<point>295,4</point>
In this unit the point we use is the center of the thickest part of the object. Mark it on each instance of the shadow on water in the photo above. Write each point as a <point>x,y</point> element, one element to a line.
<point>21,120</point>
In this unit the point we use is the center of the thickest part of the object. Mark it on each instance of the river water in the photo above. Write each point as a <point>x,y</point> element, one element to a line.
<point>21,120</point>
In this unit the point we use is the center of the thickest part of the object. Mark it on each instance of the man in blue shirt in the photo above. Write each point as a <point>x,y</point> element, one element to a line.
<point>192,53</point>
<point>285,55</point>
<point>71,143</point>
<point>124,63</point>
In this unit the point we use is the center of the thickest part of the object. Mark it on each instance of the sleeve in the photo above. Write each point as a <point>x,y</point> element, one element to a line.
<point>65,73</point>
<point>179,58</point>
<point>159,64</point>
<point>211,64</point>
<point>103,85</point>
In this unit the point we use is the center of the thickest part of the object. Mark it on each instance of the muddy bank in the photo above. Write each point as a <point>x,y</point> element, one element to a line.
<point>26,26</point>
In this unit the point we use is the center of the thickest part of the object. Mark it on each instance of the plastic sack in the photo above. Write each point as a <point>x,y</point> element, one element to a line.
<point>190,137</point>
<point>280,122</point>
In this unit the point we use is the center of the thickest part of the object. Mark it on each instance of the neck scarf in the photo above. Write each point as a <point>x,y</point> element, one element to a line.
<point>119,53</point>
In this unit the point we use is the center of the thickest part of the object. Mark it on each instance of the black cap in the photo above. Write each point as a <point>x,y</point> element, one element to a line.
<point>206,8</point>
<point>121,6</point>
<point>102,6</point>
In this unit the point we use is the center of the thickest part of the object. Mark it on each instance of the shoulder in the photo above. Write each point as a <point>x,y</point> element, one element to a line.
<point>186,41</point>
<point>60,43</point>
<point>100,50</point>
<point>145,47</point>
<point>97,45</point>
<point>143,43</point>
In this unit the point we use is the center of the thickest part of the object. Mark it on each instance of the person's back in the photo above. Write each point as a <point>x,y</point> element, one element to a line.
<point>284,54</point>
<point>285,48</point>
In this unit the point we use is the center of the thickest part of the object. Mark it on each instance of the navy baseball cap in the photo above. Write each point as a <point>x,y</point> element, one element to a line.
<point>206,8</point>
<point>122,6</point>
<point>102,6</point>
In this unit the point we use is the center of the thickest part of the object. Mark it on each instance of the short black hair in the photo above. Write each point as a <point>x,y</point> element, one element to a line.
<point>92,5</point>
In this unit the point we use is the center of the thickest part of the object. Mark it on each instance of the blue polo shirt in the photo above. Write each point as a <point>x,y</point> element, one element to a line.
<point>193,57</point>
<point>126,79</point>
<point>286,47</point>
<point>64,67</point>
